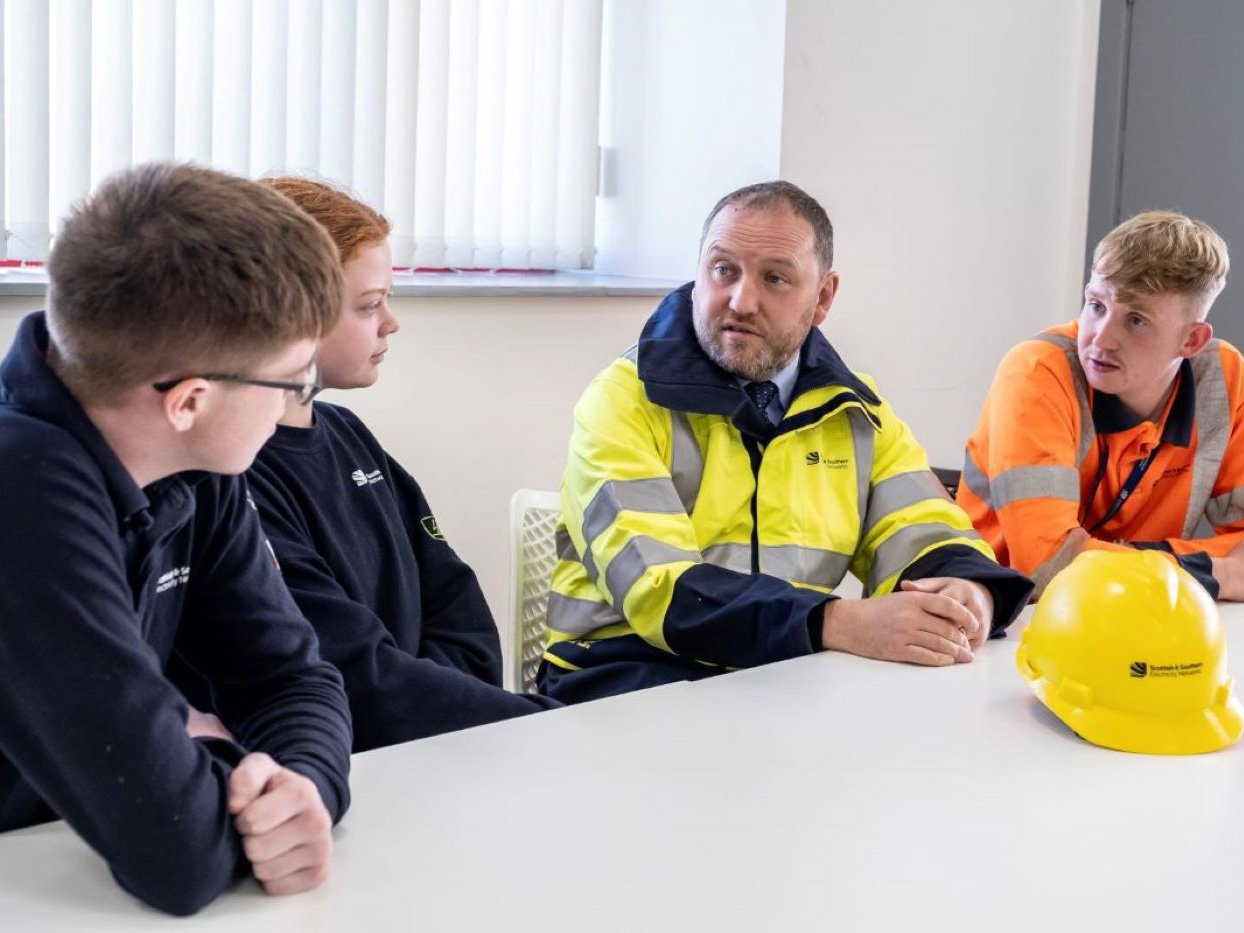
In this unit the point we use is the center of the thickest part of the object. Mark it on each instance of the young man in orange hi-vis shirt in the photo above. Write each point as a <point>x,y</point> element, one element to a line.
<point>1124,428</point>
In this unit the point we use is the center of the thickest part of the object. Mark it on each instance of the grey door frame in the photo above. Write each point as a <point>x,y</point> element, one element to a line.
<point>1109,119</point>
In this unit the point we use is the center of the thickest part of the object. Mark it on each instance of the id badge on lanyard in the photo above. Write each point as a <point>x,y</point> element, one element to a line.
<point>1129,486</point>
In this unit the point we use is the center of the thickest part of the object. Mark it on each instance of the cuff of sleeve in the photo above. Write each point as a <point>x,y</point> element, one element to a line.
<point>336,797</point>
<point>816,624</point>
<point>1199,564</point>
<point>1010,590</point>
<point>231,753</point>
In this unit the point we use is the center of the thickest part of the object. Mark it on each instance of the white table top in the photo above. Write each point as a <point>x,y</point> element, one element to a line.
<point>828,792</point>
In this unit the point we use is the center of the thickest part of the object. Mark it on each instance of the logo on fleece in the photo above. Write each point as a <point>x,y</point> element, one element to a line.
<point>366,479</point>
<point>431,527</point>
<point>178,576</point>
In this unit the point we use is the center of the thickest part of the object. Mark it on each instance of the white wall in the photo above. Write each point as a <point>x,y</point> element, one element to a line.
<point>951,144</point>
<point>691,109</point>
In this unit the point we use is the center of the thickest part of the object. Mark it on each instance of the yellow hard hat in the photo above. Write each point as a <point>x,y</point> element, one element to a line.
<point>1128,650</point>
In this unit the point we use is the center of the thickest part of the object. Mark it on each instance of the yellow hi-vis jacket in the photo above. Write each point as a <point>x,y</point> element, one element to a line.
<point>692,524</point>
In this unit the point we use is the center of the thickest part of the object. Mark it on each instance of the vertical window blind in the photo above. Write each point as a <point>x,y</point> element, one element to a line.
<point>472,124</point>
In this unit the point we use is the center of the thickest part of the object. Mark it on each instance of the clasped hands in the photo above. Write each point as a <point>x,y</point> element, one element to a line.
<point>936,622</point>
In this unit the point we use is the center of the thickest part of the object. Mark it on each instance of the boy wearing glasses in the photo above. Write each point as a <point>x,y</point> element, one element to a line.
<point>184,306</point>
<point>1124,428</point>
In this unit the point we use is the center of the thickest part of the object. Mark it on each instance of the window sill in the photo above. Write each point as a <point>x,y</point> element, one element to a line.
<point>19,282</point>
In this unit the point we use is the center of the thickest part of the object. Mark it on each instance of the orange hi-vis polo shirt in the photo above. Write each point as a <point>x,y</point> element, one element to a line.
<point>1050,455</point>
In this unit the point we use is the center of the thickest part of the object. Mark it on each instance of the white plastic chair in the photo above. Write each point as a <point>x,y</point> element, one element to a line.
<point>533,521</point>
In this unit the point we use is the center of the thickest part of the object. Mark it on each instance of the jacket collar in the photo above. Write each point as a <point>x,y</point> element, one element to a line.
<point>28,383</point>
<point>1111,416</point>
<point>677,374</point>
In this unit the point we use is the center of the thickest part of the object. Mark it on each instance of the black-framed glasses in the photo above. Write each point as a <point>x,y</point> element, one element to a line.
<point>304,392</point>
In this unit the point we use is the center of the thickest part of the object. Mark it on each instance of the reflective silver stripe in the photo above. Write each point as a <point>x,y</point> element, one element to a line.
<point>1213,428</point>
<point>630,563</point>
<point>686,461</point>
<point>1066,553</point>
<point>1087,432</point>
<point>589,567</point>
<point>1226,509</point>
<point>572,616</point>
<point>863,440</point>
<point>899,492</point>
<point>901,548</point>
<point>1025,482</point>
<point>566,551</point>
<point>794,563</point>
<point>1034,482</point>
<point>563,544</point>
<point>1062,341</point>
<point>974,478</point>
<point>636,495</point>
<point>1031,482</point>
<point>737,557</point>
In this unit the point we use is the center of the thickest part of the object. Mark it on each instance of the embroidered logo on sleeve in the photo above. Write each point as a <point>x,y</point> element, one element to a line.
<point>366,479</point>
<point>178,576</point>
<point>431,527</point>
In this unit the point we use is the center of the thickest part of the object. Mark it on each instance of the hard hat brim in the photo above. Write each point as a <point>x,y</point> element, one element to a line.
<point>1193,732</point>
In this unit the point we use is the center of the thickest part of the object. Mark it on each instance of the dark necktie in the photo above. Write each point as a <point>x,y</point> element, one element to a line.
<point>761,394</point>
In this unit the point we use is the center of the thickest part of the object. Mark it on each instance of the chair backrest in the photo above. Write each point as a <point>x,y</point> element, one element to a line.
<point>948,478</point>
<point>533,522</point>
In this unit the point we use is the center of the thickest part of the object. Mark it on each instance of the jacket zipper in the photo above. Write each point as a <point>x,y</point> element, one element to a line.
<point>754,453</point>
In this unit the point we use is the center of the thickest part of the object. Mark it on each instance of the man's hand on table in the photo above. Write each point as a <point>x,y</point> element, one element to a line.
<point>934,622</point>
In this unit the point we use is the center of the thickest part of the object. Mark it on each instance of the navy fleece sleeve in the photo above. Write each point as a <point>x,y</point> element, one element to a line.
<point>458,627</point>
<point>86,716</point>
<point>245,634</point>
<point>395,696</point>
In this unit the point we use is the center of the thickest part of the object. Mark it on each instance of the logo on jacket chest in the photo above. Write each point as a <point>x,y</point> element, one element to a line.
<point>814,458</point>
<point>366,479</point>
<point>1175,471</point>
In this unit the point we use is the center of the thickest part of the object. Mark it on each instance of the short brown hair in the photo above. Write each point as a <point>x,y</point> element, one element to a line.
<point>1160,252</point>
<point>168,269</point>
<point>775,195</point>
<point>350,222</point>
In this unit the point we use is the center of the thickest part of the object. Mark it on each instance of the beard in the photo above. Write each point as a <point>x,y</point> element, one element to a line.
<point>756,363</point>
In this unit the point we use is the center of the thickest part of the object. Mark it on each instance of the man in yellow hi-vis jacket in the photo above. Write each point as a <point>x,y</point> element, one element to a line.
<point>726,472</point>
